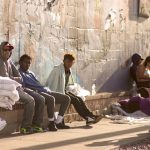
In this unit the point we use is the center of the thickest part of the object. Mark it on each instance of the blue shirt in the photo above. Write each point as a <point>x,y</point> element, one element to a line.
<point>30,81</point>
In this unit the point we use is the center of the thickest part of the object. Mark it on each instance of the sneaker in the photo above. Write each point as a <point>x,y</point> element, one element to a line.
<point>62,126</point>
<point>52,126</point>
<point>98,118</point>
<point>26,130</point>
<point>90,121</point>
<point>37,129</point>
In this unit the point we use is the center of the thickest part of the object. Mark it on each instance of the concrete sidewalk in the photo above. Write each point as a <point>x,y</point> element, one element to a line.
<point>103,136</point>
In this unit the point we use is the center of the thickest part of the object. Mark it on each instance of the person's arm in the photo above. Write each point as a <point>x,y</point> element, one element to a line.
<point>16,75</point>
<point>3,70</point>
<point>141,76</point>
<point>52,81</point>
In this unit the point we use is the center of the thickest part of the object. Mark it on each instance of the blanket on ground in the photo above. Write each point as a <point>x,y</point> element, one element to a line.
<point>122,117</point>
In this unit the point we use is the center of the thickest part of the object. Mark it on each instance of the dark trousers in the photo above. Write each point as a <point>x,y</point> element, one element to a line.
<point>80,106</point>
<point>52,98</point>
<point>28,108</point>
<point>39,107</point>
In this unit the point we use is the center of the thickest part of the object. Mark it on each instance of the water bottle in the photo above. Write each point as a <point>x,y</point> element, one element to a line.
<point>134,89</point>
<point>93,89</point>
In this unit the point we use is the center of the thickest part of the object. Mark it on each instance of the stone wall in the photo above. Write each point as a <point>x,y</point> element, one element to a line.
<point>102,34</point>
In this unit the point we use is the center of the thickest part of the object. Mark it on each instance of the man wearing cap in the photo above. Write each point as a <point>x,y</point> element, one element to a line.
<point>137,71</point>
<point>136,60</point>
<point>8,69</point>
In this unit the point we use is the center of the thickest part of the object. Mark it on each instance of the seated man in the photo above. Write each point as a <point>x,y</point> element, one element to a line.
<point>136,61</point>
<point>8,69</point>
<point>60,78</point>
<point>137,71</point>
<point>30,82</point>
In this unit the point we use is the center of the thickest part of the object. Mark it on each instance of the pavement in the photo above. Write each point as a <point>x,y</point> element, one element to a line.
<point>104,135</point>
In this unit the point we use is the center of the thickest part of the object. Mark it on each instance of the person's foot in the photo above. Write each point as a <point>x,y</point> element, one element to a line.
<point>52,126</point>
<point>26,130</point>
<point>90,121</point>
<point>62,126</point>
<point>98,118</point>
<point>37,129</point>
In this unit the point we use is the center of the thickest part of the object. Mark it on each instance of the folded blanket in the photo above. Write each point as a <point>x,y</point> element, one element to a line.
<point>7,80</point>
<point>8,87</point>
<point>8,93</point>
<point>13,95</point>
<point>6,102</point>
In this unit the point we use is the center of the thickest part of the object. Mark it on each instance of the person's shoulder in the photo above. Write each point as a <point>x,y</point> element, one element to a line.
<point>57,67</point>
<point>10,61</point>
<point>26,72</point>
<point>31,72</point>
<point>141,66</point>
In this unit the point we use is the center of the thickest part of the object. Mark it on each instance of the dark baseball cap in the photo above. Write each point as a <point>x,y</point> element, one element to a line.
<point>136,58</point>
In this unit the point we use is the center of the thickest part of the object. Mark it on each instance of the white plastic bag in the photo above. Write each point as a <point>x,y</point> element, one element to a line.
<point>2,124</point>
<point>77,90</point>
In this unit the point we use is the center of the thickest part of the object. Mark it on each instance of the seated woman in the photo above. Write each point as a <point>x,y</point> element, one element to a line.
<point>143,74</point>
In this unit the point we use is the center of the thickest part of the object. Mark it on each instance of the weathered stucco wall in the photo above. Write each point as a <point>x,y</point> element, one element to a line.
<point>102,49</point>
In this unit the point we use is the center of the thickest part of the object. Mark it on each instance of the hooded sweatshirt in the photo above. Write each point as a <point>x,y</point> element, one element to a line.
<point>7,68</point>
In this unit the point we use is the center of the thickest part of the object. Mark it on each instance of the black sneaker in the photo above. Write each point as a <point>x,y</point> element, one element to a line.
<point>52,126</point>
<point>90,121</point>
<point>98,118</point>
<point>62,126</point>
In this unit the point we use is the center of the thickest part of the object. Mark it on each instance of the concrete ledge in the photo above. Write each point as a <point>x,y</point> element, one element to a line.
<point>95,103</point>
<point>107,95</point>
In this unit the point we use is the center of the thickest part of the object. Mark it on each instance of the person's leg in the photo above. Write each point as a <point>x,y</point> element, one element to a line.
<point>64,102</point>
<point>28,110</point>
<point>78,107</point>
<point>50,102</point>
<point>82,109</point>
<point>83,105</point>
<point>39,107</point>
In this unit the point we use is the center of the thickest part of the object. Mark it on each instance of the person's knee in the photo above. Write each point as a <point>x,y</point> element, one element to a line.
<point>41,100</point>
<point>74,100</point>
<point>31,101</point>
<point>67,99</point>
<point>27,99</point>
<point>50,100</point>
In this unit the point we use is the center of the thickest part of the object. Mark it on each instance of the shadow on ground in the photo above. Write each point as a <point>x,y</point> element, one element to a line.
<point>86,139</point>
<point>122,141</point>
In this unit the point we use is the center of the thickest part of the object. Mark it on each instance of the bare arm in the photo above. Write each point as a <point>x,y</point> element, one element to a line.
<point>141,76</point>
<point>16,75</point>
